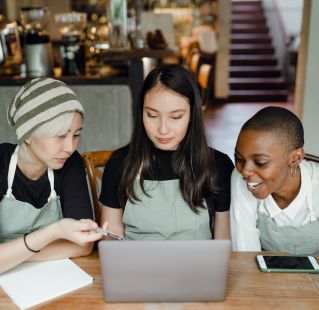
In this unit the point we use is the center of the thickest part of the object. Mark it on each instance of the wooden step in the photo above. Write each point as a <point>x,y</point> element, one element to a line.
<point>257,83</point>
<point>247,19</point>
<point>258,96</point>
<point>251,49</point>
<point>255,71</point>
<point>250,38</point>
<point>247,9</point>
<point>246,2</point>
<point>253,60</point>
<point>249,28</point>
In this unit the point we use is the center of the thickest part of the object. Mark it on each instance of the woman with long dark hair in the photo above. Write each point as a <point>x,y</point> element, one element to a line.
<point>167,183</point>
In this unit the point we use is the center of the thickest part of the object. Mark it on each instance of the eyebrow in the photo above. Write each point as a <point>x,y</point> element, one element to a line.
<point>79,129</point>
<point>174,111</point>
<point>254,155</point>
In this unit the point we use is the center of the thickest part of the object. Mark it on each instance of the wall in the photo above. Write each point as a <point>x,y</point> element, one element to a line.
<point>309,110</point>
<point>291,14</point>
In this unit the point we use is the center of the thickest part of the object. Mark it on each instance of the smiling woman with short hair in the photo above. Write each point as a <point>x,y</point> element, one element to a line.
<point>274,192</point>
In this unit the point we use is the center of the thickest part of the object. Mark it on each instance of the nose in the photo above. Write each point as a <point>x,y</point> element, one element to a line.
<point>163,127</point>
<point>69,145</point>
<point>245,170</point>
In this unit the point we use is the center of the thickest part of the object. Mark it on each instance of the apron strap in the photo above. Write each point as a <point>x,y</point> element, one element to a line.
<point>51,180</point>
<point>12,171</point>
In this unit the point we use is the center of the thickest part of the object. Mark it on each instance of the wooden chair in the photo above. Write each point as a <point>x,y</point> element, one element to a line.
<point>94,163</point>
<point>195,59</point>
<point>205,82</point>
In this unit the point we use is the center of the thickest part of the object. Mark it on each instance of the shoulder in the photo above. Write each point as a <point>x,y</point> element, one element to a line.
<point>221,158</point>
<point>237,181</point>
<point>6,151</point>
<point>7,148</point>
<point>74,160</point>
<point>74,166</point>
<point>311,168</point>
<point>223,163</point>
<point>118,157</point>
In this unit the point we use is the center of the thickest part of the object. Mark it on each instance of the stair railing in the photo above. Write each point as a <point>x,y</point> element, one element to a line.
<point>222,56</point>
<point>278,34</point>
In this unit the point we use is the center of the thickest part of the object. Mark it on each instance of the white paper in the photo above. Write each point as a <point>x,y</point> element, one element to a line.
<point>32,283</point>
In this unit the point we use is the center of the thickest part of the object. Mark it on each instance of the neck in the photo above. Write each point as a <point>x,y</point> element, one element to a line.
<point>291,191</point>
<point>30,169</point>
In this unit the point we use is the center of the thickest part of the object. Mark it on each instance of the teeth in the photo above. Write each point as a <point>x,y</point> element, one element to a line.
<point>253,184</point>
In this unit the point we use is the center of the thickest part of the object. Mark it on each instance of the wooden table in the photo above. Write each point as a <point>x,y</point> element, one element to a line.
<point>247,288</point>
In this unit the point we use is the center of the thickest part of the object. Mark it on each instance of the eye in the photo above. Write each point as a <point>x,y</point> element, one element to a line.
<point>177,117</point>
<point>61,136</point>
<point>261,164</point>
<point>151,115</point>
<point>238,159</point>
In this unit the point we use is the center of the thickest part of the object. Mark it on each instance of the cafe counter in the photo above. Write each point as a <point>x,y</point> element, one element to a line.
<point>108,101</point>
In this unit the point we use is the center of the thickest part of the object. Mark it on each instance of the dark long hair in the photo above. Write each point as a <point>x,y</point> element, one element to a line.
<point>192,162</point>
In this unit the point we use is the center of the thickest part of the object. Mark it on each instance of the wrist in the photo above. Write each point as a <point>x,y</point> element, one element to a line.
<point>27,245</point>
<point>52,232</point>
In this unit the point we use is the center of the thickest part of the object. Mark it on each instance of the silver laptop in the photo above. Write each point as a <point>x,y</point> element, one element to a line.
<point>164,271</point>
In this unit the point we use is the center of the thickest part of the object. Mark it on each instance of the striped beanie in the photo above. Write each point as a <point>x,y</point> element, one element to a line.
<point>39,101</point>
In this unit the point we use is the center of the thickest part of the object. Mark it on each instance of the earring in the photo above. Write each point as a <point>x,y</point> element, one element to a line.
<point>293,171</point>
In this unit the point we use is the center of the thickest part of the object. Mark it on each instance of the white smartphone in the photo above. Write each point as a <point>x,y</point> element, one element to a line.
<point>287,263</point>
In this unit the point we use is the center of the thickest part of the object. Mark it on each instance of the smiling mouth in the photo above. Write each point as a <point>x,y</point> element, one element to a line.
<point>253,185</point>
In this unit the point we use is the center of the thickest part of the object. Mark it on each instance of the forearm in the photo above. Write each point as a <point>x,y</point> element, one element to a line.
<point>222,226</point>
<point>114,219</point>
<point>65,238</point>
<point>62,249</point>
<point>15,252</point>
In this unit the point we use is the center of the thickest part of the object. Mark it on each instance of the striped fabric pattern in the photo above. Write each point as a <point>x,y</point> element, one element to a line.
<point>39,101</point>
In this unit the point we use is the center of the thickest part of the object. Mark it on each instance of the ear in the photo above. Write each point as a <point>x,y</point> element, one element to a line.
<point>296,157</point>
<point>28,141</point>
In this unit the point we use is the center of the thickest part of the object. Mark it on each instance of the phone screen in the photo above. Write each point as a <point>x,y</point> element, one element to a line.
<point>287,262</point>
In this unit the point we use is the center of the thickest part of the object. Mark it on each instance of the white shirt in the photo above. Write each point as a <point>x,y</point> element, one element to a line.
<point>243,209</point>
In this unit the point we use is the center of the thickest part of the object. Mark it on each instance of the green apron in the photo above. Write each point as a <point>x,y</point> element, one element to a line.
<point>18,217</point>
<point>164,215</point>
<point>300,240</point>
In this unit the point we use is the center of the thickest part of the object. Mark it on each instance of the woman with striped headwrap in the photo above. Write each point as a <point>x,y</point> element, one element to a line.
<point>42,178</point>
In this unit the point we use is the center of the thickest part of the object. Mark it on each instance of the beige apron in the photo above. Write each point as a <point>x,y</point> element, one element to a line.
<point>18,217</point>
<point>164,215</point>
<point>300,240</point>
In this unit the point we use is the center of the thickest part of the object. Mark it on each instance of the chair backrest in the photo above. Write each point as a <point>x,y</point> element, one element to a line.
<point>205,82</point>
<point>195,62</point>
<point>94,163</point>
<point>312,157</point>
<point>203,75</point>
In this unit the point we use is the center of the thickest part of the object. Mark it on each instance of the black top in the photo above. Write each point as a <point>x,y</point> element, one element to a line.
<point>161,170</point>
<point>69,183</point>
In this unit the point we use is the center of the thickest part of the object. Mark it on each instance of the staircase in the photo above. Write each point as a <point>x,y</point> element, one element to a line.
<point>254,74</point>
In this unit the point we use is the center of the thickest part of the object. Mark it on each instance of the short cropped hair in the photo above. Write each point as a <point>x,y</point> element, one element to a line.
<point>287,125</point>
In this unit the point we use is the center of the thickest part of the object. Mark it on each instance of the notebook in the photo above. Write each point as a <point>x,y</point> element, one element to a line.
<point>32,283</point>
<point>164,271</point>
